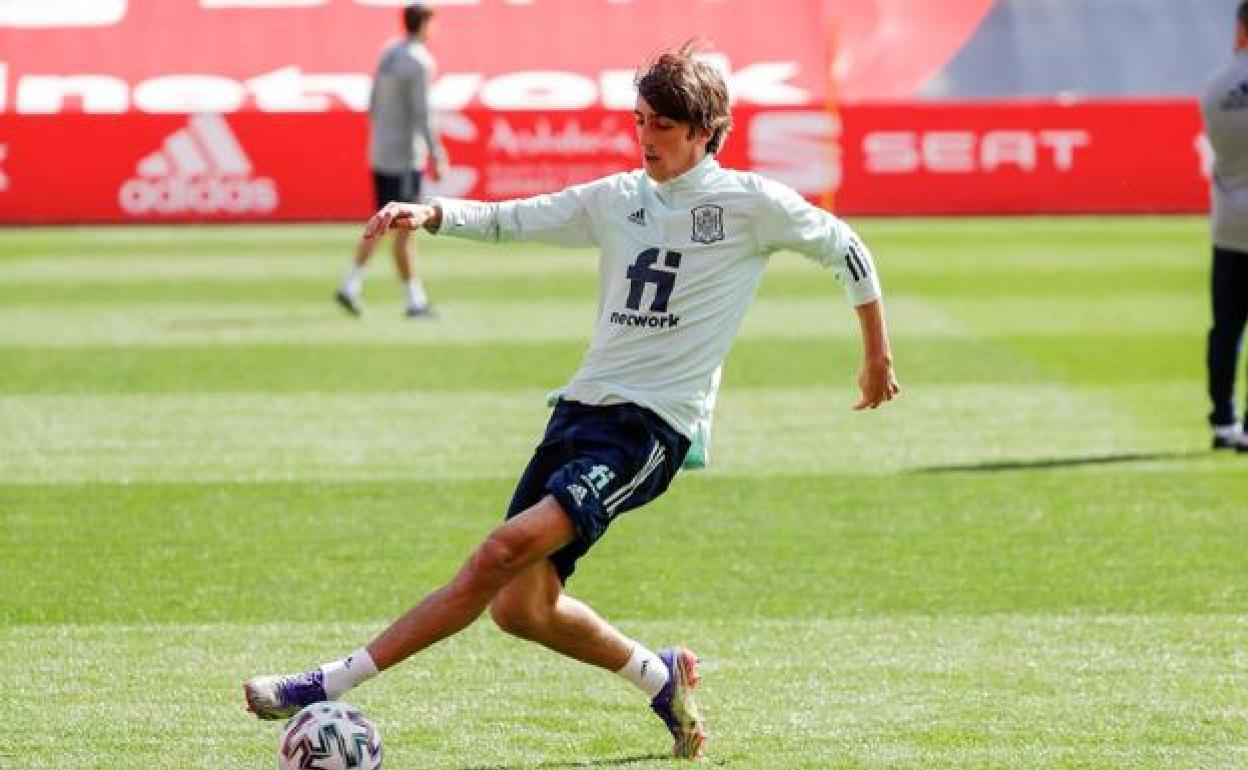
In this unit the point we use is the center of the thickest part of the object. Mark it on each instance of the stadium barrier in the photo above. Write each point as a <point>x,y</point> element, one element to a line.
<point>886,159</point>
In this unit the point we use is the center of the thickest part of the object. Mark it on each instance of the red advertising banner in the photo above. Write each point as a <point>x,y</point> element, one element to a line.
<point>225,56</point>
<point>110,56</point>
<point>1098,157</point>
<point>1024,158</point>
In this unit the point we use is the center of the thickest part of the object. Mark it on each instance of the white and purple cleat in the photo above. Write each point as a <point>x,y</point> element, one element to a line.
<point>677,706</point>
<point>280,697</point>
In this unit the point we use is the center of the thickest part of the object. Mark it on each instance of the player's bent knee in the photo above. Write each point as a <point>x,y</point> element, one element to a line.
<point>515,618</point>
<point>499,558</point>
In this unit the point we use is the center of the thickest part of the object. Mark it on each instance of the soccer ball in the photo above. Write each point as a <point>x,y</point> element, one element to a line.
<point>329,736</point>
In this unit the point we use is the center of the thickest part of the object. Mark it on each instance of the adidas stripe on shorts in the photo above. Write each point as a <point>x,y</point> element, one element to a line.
<point>598,462</point>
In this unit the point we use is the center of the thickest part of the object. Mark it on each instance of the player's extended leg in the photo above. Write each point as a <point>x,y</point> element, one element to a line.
<point>402,251</point>
<point>348,294</point>
<point>509,550</point>
<point>534,606</point>
<point>506,552</point>
<point>413,289</point>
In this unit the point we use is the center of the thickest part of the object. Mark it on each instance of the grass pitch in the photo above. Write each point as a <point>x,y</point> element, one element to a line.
<point>1030,560</point>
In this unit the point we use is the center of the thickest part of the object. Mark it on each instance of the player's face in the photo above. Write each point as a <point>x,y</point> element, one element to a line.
<point>668,148</point>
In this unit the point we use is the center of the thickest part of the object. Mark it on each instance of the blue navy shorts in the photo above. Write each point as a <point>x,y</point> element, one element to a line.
<point>404,187</point>
<point>598,462</point>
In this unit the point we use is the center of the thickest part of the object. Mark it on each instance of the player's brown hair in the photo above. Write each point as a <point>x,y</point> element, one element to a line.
<point>415,17</point>
<point>681,88</point>
<point>1242,14</point>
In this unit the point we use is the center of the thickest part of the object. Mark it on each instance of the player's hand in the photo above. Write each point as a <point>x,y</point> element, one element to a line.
<point>398,216</point>
<point>878,383</point>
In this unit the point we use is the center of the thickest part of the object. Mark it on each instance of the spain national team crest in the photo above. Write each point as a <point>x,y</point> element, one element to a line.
<point>708,224</point>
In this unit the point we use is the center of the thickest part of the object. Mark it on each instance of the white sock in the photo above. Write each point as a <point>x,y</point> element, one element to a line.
<point>342,675</point>
<point>416,294</point>
<point>645,670</point>
<point>353,282</point>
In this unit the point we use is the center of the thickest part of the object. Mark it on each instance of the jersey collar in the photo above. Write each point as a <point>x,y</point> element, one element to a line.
<point>687,183</point>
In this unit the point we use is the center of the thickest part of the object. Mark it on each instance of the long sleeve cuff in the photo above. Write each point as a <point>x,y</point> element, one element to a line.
<point>468,219</point>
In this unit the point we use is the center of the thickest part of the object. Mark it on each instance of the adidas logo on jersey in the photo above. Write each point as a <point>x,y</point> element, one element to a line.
<point>638,217</point>
<point>200,169</point>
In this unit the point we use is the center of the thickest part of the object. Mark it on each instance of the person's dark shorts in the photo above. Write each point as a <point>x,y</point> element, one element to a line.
<point>598,462</point>
<point>404,188</point>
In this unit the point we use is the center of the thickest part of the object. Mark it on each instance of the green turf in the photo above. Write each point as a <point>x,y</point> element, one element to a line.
<point>1031,560</point>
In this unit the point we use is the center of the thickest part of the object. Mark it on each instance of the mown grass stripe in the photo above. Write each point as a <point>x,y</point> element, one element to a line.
<point>468,322</point>
<point>434,366</point>
<point>136,282</point>
<point>822,545</point>
<point>486,434</point>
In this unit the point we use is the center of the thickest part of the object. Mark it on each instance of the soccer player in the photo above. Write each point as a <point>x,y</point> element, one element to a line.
<point>683,244</point>
<point>402,142</point>
<point>1224,106</point>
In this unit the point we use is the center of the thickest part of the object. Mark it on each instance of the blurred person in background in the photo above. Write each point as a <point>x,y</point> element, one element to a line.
<point>403,142</point>
<point>683,244</point>
<point>1224,106</point>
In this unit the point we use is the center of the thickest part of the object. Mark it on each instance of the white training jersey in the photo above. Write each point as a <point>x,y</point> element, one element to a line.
<point>679,264</point>
<point>1224,106</point>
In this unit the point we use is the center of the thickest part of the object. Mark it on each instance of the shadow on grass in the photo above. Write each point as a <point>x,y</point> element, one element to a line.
<point>1057,462</point>
<point>571,764</point>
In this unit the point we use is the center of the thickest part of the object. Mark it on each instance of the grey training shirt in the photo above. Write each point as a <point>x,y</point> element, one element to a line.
<point>1224,106</point>
<point>401,132</point>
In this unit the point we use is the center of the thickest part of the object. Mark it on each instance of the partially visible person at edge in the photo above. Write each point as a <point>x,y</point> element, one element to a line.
<point>403,141</point>
<point>682,248</point>
<point>1224,106</point>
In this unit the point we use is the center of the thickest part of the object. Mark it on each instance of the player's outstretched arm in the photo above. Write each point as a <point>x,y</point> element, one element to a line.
<point>876,380</point>
<point>402,216</point>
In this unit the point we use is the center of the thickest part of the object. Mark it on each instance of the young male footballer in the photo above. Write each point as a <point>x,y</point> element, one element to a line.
<point>683,244</point>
